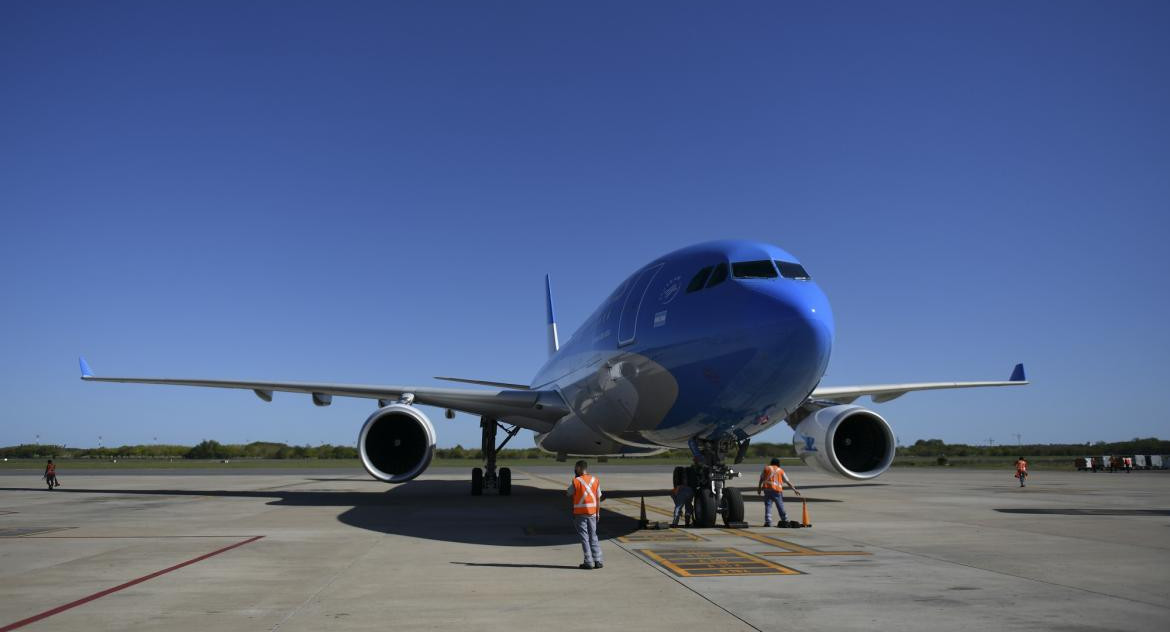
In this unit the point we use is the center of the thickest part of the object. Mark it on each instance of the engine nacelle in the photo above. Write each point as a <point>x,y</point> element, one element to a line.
<point>396,443</point>
<point>848,441</point>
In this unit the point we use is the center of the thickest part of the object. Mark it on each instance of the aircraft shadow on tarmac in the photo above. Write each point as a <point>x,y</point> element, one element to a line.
<point>440,510</point>
<point>444,510</point>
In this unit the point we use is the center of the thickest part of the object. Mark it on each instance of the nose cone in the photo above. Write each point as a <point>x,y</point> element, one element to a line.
<point>799,326</point>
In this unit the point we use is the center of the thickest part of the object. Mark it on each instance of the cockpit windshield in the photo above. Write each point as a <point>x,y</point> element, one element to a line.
<point>754,270</point>
<point>792,270</point>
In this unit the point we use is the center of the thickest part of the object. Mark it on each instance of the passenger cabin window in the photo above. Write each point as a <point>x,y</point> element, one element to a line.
<point>754,270</point>
<point>792,270</point>
<point>718,276</point>
<point>699,279</point>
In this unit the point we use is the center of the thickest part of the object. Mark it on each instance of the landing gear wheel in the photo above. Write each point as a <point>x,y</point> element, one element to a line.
<point>705,509</point>
<point>505,481</point>
<point>476,482</point>
<point>732,506</point>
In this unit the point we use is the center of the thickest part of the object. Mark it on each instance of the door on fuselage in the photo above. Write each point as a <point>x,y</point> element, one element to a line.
<point>628,323</point>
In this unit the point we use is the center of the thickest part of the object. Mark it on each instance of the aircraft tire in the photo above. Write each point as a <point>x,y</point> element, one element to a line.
<point>476,482</point>
<point>705,509</point>
<point>505,481</point>
<point>732,506</point>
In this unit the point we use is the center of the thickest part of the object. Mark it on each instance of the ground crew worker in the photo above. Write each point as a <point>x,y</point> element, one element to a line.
<point>772,481</point>
<point>682,495</point>
<point>1021,470</point>
<point>585,491</point>
<point>51,475</point>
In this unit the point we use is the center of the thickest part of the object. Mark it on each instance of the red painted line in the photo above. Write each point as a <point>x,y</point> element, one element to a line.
<point>98,595</point>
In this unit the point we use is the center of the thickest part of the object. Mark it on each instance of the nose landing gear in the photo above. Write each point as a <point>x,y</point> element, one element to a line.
<point>487,477</point>
<point>714,499</point>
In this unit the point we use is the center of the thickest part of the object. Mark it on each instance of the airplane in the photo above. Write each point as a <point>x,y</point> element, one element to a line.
<point>702,348</point>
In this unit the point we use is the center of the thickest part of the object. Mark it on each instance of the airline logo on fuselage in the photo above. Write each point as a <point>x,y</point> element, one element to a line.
<point>809,443</point>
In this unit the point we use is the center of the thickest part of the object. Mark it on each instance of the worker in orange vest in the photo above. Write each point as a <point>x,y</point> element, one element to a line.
<point>51,475</point>
<point>772,481</point>
<point>585,492</point>
<point>1021,470</point>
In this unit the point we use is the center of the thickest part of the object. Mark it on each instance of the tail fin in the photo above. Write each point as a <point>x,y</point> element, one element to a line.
<point>1018,374</point>
<point>553,342</point>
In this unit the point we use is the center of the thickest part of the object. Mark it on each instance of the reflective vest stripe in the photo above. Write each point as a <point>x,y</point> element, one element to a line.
<point>585,493</point>
<point>774,478</point>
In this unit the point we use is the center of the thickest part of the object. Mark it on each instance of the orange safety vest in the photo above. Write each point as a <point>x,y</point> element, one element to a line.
<point>50,469</point>
<point>774,478</point>
<point>1021,466</point>
<point>586,492</point>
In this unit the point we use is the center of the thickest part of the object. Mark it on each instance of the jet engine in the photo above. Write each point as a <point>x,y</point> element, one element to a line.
<point>396,443</point>
<point>848,441</point>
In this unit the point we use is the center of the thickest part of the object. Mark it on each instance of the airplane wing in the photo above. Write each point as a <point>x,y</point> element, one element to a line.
<point>543,406</point>
<point>879,393</point>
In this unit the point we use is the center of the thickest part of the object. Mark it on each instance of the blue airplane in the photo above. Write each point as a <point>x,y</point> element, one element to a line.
<point>702,348</point>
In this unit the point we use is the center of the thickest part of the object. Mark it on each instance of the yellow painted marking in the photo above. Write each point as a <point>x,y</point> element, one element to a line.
<point>665,535</point>
<point>790,548</point>
<point>715,563</point>
<point>636,504</point>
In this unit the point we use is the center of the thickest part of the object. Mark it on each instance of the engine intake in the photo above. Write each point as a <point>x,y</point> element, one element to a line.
<point>848,441</point>
<point>396,443</point>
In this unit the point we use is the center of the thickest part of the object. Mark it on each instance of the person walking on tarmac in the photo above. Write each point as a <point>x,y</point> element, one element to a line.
<point>772,481</point>
<point>585,491</point>
<point>51,475</point>
<point>1021,470</point>
<point>682,494</point>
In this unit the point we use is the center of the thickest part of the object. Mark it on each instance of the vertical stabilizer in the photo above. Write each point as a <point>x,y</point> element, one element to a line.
<point>553,342</point>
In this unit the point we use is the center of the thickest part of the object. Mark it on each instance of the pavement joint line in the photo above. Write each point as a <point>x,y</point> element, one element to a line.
<point>310,598</point>
<point>790,548</point>
<point>98,595</point>
<point>679,581</point>
<point>1007,574</point>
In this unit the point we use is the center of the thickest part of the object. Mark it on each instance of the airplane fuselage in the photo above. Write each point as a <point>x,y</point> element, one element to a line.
<point>669,356</point>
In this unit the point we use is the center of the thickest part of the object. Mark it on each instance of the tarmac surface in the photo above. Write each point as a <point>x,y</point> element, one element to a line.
<point>919,549</point>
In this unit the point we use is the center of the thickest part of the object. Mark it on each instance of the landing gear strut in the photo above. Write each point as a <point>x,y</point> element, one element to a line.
<point>714,498</point>
<point>488,477</point>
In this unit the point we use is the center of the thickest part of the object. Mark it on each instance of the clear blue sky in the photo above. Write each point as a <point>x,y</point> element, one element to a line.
<point>372,192</point>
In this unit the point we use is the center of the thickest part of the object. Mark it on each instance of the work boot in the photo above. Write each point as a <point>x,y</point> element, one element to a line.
<point>598,565</point>
<point>586,566</point>
<point>767,524</point>
<point>674,525</point>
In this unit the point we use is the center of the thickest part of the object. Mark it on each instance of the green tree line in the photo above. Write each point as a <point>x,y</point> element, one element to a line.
<point>211,449</point>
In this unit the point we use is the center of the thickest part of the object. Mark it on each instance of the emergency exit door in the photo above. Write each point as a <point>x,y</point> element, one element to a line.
<point>628,323</point>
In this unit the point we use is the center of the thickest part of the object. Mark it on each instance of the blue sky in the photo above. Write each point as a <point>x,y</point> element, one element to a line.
<point>372,192</point>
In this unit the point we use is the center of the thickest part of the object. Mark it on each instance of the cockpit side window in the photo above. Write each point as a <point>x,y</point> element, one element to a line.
<point>718,276</point>
<point>754,270</point>
<point>699,279</point>
<point>792,270</point>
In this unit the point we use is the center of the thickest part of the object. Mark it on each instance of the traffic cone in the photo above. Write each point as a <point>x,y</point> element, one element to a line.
<point>642,521</point>
<point>804,521</point>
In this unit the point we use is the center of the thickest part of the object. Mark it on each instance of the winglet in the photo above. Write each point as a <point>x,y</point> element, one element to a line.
<point>553,342</point>
<point>85,372</point>
<point>1018,374</point>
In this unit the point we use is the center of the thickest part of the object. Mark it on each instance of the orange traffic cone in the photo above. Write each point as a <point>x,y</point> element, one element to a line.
<point>643,523</point>
<point>804,521</point>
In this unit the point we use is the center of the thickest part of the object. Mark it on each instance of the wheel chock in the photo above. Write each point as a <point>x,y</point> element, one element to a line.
<point>737,525</point>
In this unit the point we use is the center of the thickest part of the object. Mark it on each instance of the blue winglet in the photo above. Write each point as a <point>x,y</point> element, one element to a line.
<point>85,372</point>
<point>1018,374</point>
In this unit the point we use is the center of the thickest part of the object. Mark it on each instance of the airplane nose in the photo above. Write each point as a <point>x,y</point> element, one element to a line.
<point>802,323</point>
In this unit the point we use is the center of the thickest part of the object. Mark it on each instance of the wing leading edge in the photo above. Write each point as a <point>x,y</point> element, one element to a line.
<point>539,406</point>
<point>880,393</point>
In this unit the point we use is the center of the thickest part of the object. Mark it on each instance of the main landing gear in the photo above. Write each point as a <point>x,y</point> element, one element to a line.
<point>488,477</point>
<point>713,498</point>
